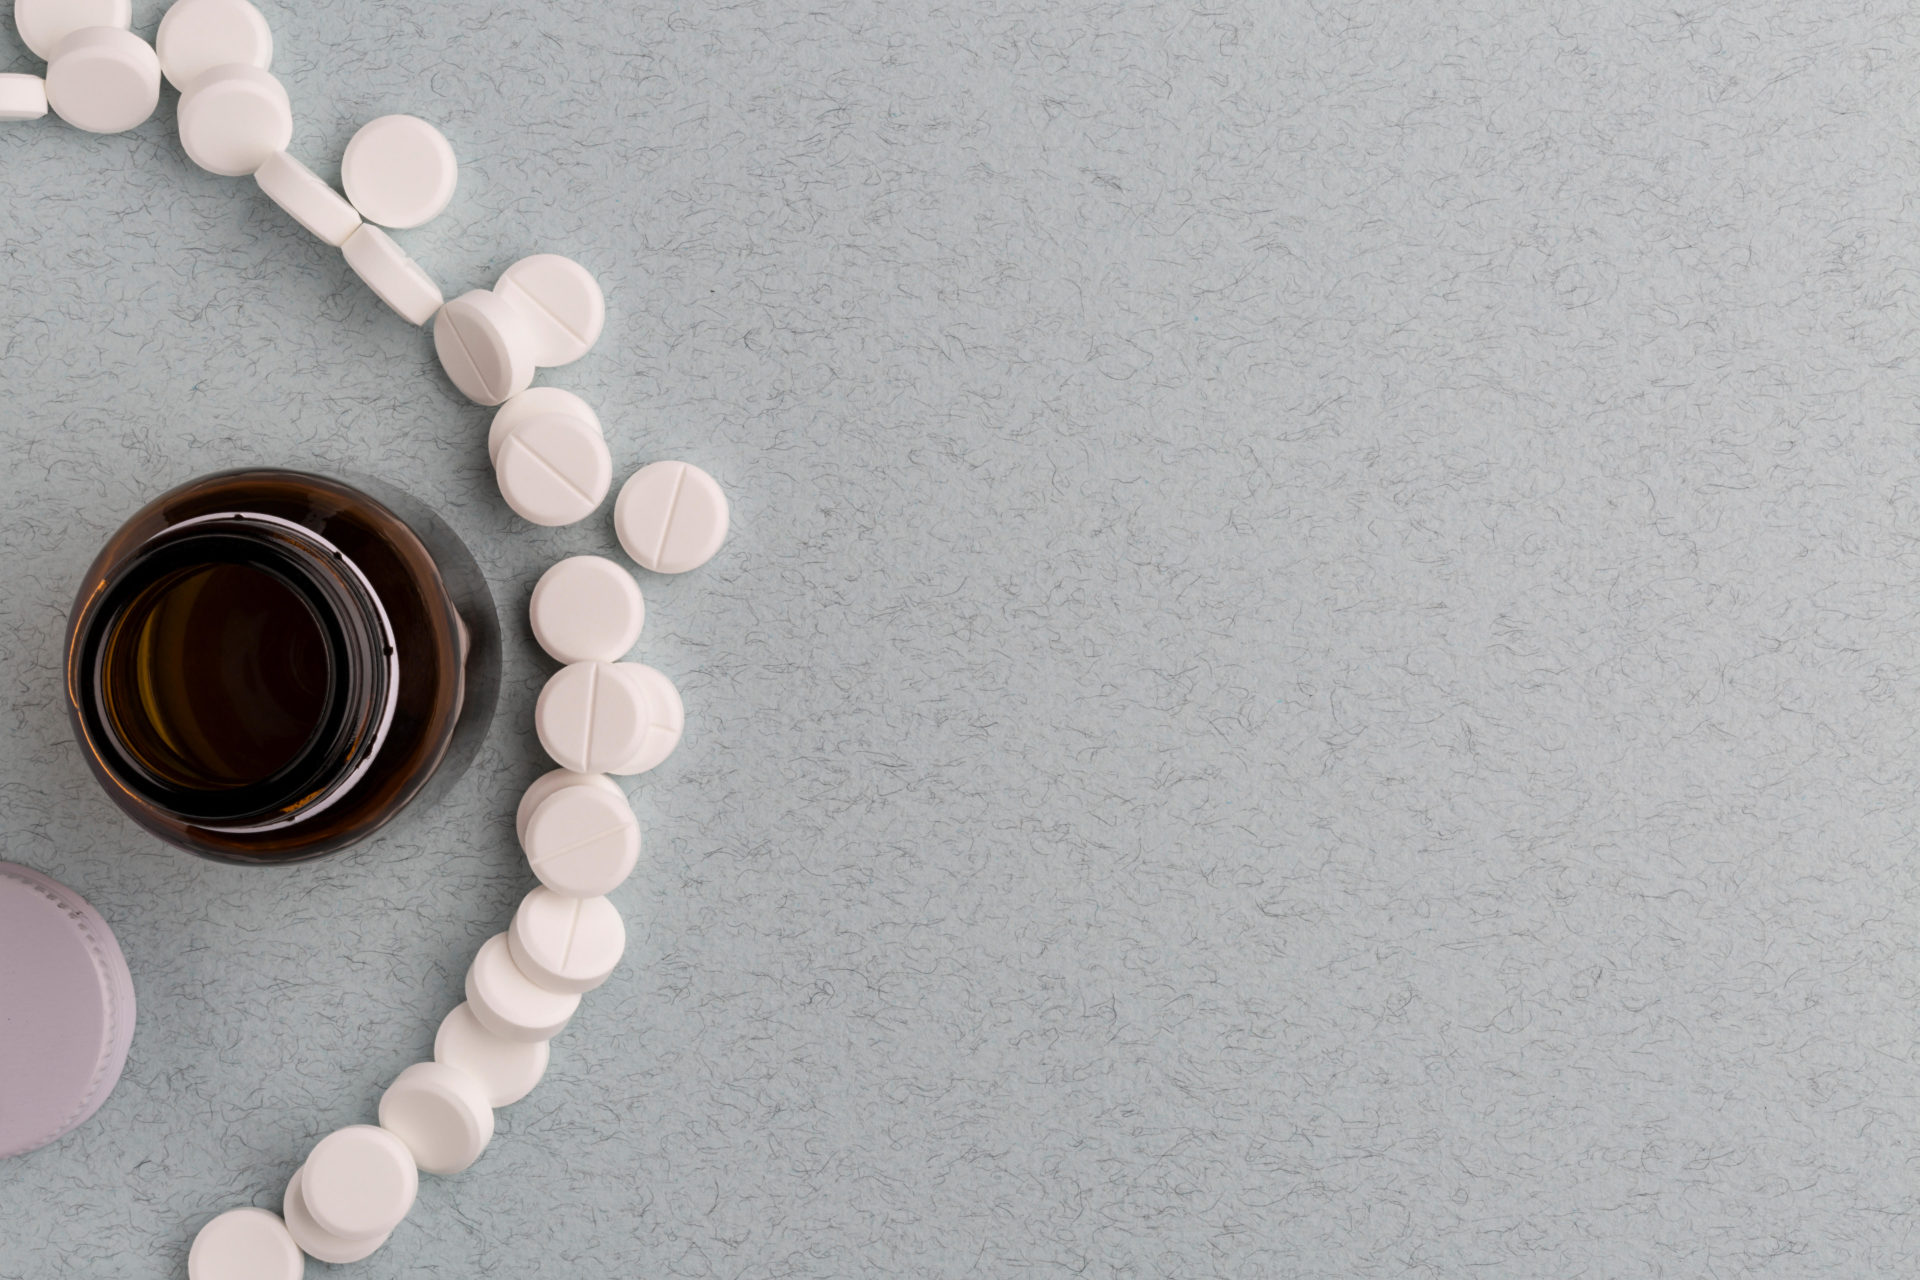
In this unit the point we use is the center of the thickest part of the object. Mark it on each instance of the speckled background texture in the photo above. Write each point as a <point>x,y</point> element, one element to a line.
<point>1316,674</point>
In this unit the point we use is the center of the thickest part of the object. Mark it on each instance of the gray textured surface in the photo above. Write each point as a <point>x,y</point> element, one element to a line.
<point>1316,673</point>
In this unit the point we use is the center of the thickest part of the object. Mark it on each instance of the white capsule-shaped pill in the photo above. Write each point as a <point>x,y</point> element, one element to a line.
<point>399,171</point>
<point>666,717</point>
<point>566,944</point>
<point>195,36</point>
<point>506,1069</point>
<point>587,609</point>
<point>245,1244</point>
<point>509,1003</point>
<point>551,781</point>
<point>581,842</point>
<point>671,517</point>
<point>315,1240</point>
<point>564,307</point>
<point>538,402</point>
<point>360,1182</point>
<point>395,278</point>
<point>43,24</point>
<point>306,199</point>
<point>441,1113</point>
<point>484,346</point>
<point>103,80</point>
<point>589,719</point>
<point>22,97</point>
<point>554,470</point>
<point>233,119</point>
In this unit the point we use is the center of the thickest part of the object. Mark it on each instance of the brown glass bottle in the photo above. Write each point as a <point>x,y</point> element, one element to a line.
<point>265,666</point>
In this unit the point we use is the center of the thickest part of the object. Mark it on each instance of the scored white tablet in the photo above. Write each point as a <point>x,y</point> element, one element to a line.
<point>485,346</point>
<point>671,517</point>
<point>581,842</point>
<point>566,944</point>
<point>564,306</point>
<point>554,470</point>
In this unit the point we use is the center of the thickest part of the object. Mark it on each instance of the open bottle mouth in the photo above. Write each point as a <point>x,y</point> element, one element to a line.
<point>243,673</point>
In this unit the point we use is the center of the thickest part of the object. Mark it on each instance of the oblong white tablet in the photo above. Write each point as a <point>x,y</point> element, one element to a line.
<point>581,842</point>
<point>554,470</point>
<point>506,1069</point>
<point>671,517</point>
<point>315,1240</point>
<point>360,1182</point>
<point>588,718</point>
<point>587,609</point>
<point>566,944</point>
<point>666,717</point>
<point>485,346</point>
<point>245,1244</point>
<point>537,402</point>
<point>399,171</point>
<point>551,781</point>
<point>391,274</point>
<point>564,306</point>
<point>441,1113</point>
<point>43,24</point>
<point>509,1003</point>
<point>233,119</point>
<point>103,80</point>
<point>307,200</point>
<point>22,97</point>
<point>196,36</point>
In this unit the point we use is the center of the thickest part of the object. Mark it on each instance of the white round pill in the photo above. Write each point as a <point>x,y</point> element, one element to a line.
<point>315,1240</point>
<point>196,36</point>
<point>564,306</point>
<point>103,80</point>
<point>310,202</point>
<point>441,1113</point>
<point>43,24</point>
<point>588,718</point>
<point>554,470</point>
<point>587,609</point>
<point>399,171</point>
<point>548,783</point>
<point>566,944</point>
<point>506,1069</point>
<point>671,517</point>
<point>391,274</point>
<point>245,1244</point>
<point>233,119</point>
<point>22,97</point>
<point>484,345</point>
<point>581,842</point>
<point>537,402</point>
<point>509,1003</point>
<point>666,717</point>
<point>360,1182</point>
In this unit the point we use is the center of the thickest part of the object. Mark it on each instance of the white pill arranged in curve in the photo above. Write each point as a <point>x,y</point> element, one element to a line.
<point>399,171</point>
<point>670,517</point>
<point>195,36</point>
<point>589,719</point>
<point>443,1115</point>
<point>566,944</point>
<point>485,346</point>
<point>360,1182</point>
<point>103,80</point>
<point>245,1244</point>
<point>43,24</point>
<point>551,781</point>
<point>395,278</point>
<point>509,1003</point>
<point>506,1069</point>
<point>306,199</point>
<point>587,609</point>
<point>666,717</point>
<point>554,470</point>
<point>564,306</point>
<point>582,843</point>
<point>233,119</point>
<point>538,402</point>
<point>316,1241</point>
<point>22,97</point>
